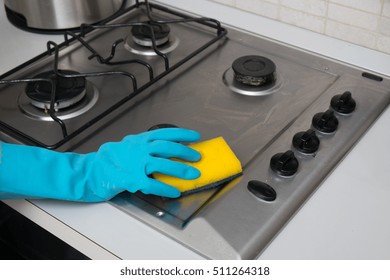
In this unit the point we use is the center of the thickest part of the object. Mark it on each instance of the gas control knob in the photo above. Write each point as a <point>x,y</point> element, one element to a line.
<point>343,103</point>
<point>325,122</point>
<point>284,164</point>
<point>306,142</point>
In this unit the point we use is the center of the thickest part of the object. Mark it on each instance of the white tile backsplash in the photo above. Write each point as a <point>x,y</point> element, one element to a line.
<point>372,6</point>
<point>386,8</point>
<point>227,2</point>
<point>314,7</point>
<point>353,17</point>
<point>384,26</point>
<point>348,33</point>
<point>361,22</point>
<point>302,19</point>
<point>383,44</point>
<point>260,7</point>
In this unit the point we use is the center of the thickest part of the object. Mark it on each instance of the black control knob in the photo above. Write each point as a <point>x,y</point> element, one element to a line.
<point>343,103</point>
<point>284,164</point>
<point>325,121</point>
<point>306,142</point>
<point>262,190</point>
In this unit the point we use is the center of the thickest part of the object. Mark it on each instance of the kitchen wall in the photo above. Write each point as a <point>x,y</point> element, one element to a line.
<point>362,22</point>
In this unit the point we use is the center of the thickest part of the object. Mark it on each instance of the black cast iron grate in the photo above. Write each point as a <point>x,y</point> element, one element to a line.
<point>69,36</point>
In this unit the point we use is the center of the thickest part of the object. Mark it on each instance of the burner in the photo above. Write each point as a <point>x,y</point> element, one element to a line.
<point>252,75</point>
<point>85,104</point>
<point>254,70</point>
<point>162,125</point>
<point>142,35</point>
<point>140,40</point>
<point>69,90</point>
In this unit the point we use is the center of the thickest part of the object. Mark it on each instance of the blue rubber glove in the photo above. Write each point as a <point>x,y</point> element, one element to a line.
<point>31,172</point>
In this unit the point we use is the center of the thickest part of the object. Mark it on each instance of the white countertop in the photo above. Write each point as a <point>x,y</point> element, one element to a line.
<point>346,218</point>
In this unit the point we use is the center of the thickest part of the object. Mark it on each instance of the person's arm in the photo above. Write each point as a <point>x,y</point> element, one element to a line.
<point>32,172</point>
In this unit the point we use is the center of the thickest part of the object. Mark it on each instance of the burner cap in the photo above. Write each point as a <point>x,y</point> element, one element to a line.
<point>162,125</point>
<point>142,34</point>
<point>69,90</point>
<point>254,70</point>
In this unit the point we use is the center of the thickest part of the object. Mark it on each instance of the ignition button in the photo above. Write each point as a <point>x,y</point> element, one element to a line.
<point>262,190</point>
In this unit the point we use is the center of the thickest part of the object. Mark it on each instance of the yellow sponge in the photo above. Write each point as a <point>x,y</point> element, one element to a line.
<point>218,165</point>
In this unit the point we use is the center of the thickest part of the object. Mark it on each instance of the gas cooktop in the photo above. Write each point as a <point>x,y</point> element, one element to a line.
<point>289,115</point>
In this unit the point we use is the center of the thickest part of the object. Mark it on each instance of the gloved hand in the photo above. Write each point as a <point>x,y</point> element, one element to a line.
<point>32,172</point>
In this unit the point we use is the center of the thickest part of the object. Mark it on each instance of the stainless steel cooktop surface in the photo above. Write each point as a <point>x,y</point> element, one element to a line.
<point>290,116</point>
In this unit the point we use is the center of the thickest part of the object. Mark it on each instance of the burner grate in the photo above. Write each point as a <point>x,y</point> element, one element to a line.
<point>70,37</point>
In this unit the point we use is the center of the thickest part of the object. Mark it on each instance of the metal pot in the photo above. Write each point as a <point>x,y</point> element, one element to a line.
<point>59,14</point>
